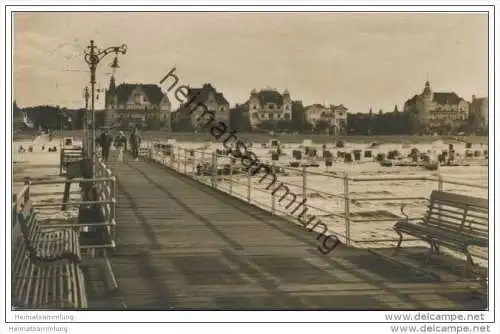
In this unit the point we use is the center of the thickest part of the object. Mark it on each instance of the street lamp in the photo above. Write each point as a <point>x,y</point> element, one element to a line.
<point>92,57</point>
<point>85,140</point>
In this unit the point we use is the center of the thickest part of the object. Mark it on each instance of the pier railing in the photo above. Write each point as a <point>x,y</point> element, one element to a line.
<point>337,203</point>
<point>105,184</point>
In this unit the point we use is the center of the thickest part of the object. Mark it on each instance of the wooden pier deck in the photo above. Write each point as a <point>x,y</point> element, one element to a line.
<point>183,245</point>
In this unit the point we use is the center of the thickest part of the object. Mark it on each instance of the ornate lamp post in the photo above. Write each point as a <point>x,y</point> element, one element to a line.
<point>92,57</point>
<point>85,143</point>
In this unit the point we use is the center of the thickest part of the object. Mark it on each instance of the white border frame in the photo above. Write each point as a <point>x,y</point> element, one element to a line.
<point>235,316</point>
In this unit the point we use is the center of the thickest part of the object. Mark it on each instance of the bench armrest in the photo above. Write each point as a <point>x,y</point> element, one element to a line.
<point>78,225</point>
<point>402,208</point>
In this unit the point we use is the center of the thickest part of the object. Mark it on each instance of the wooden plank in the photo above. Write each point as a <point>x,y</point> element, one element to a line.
<point>176,238</point>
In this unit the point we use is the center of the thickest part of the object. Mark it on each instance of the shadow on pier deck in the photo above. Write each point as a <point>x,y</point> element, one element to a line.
<point>183,245</point>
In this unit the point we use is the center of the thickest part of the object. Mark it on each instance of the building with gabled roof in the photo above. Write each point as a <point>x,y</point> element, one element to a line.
<point>207,97</point>
<point>268,105</point>
<point>334,115</point>
<point>438,109</point>
<point>136,104</point>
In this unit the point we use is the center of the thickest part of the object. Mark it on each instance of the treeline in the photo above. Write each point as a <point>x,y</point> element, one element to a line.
<point>53,117</point>
<point>392,123</point>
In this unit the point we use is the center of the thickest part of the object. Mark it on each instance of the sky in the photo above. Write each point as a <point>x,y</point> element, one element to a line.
<point>360,60</point>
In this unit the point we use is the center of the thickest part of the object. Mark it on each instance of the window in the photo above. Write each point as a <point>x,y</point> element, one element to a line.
<point>255,115</point>
<point>255,107</point>
<point>286,107</point>
<point>287,116</point>
<point>270,106</point>
<point>221,108</point>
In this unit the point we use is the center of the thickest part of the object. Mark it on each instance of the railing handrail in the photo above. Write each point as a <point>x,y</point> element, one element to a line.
<point>213,179</point>
<point>108,198</point>
<point>358,178</point>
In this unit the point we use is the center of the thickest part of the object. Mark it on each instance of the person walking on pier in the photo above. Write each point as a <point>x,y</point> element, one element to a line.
<point>105,141</point>
<point>135,142</point>
<point>120,143</point>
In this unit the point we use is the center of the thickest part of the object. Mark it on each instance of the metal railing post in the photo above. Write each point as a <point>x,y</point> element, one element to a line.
<point>214,169</point>
<point>171,157</point>
<point>113,208</point>
<point>14,210</point>
<point>249,185</point>
<point>185,161</point>
<point>178,158</point>
<point>440,188</point>
<point>61,161</point>
<point>193,159</point>
<point>346,211</point>
<point>27,192</point>
<point>440,182</point>
<point>304,182</point>
<point>231,175</point>
<point>273,193</point>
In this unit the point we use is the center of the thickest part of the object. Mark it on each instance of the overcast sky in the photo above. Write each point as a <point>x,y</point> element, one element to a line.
<point>357,59</point>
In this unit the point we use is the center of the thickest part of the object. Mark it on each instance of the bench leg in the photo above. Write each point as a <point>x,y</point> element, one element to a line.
<point>110,275</point>
<point>431,250</point>
<point>396,250</point>
<point>468,263</point>
<point>436,248</point>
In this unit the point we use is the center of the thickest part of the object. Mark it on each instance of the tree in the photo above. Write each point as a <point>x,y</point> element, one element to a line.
<point>322,126</point>
<point>239,119</point>
<point>299,122</point>
<point>182,123</point>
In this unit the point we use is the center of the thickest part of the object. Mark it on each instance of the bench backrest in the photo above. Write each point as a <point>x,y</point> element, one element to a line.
<point>29,225</point>
<point>21,266</point>
<point>461,213</point>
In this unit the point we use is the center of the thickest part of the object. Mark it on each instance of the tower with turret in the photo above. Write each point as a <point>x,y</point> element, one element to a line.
<point>426,104</point>
<point>110,101</point>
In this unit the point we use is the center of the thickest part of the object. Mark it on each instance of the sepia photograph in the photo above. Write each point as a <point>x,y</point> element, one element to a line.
<point>250,159</point>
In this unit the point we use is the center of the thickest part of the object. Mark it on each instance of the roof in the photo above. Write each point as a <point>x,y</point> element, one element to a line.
<point>411,101</point>
<point>439,98</point>
<point>446,98</point>
<point>270,96</point>
<point>153,92</point>
<point>339,107</point>
<point>202,94</point>
<point>316,105</point>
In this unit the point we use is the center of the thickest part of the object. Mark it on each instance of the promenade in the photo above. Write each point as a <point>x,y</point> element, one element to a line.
<point>184,245</point>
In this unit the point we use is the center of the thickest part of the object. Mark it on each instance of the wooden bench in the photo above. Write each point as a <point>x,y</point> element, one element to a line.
<point>44,284</point>
<point>47,244</point>
<point>454,221</point>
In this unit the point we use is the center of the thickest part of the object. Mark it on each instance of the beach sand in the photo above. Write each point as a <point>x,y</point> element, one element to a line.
<point>42,166</point>
<point>370,200</point>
